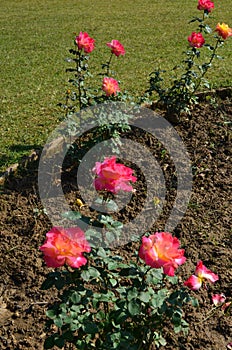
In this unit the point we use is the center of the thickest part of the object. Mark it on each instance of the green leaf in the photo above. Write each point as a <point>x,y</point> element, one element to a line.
<point>114,265</point>
<point>119,317</point>
<point>49,342</point>
<point>207,29</point>
<point>108,297</point>
<point>113,282</point>
<point>134,308</point>
<point>75,325</point>
<point>110,236</point>
<point>172,279</point>
<point>145,297</point>
<point>90,328</point>
<point>85,275</point>
<point>93,235</point>
<point>59,341</point>
<point>100,315</point>
<point>51,314</point>
<point>75,298</point>
<point>93,272</point>
<point>48,283</point>
<point>132,294</point>
<point>211,48</point>
<point>58,321</point>
<point>101,252</point>
<point>154,276</point>
<point>67,319</point>
<point>117,225</point>
<point>158,299</point>
<point>71,215</point>
<point>68,335</point>
<point>111,205</point>
<point>60,282</point>
<point>194,302</point>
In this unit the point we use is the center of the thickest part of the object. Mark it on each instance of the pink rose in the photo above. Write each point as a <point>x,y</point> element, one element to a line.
<point>196,40</point>
<point>116,48</point>
<point>205,5</point>
<point>162,250</point>
<point>223,30</point>
<point>218,299</point>
<point>202,274</point>
<point>84,42</point>
<point>110,86</point>
<point>112,176</point>
<point>65,246</point>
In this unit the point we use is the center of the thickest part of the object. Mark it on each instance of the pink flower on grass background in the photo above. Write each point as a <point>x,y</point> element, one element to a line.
<point>223,30</point>
<point>196,40</point>
<point>84,42</point>
<point>110,86</point>
<point>162,250</point>
<point>205,5</point>
<point>116,48</point>
<point>65,246</point>
<point>112,176</point>
<point>202,274</point>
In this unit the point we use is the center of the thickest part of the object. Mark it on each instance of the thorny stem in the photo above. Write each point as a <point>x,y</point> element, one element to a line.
<point>79,77</point>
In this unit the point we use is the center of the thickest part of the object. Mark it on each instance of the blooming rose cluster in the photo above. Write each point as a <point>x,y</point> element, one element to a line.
<point>112,176</point>
<point>162,250</point>
<point>196,39</point>
<point>86,43</point>
<point>65,246</point>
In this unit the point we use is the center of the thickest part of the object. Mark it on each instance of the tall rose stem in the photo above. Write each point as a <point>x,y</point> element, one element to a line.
<point>108,65</point>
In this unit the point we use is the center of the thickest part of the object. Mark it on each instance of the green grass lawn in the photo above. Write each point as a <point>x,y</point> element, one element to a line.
<point>36,37</point>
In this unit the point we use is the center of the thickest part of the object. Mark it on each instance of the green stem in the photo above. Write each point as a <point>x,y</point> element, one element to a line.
<point>79,77</point>
<point>207,67</point>
<point>108,65</point>
<point>211,313</point>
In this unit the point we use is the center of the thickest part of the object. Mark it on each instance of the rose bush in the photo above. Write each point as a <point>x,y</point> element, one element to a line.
<point>107,301</point>
<point>189,77</point>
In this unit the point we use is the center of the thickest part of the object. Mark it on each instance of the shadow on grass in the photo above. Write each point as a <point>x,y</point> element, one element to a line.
<point>17,154</point>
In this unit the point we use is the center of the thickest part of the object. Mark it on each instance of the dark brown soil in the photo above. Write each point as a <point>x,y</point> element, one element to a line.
<point>205,233</point>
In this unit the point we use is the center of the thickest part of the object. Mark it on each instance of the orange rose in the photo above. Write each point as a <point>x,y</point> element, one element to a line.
<point>223,30</point>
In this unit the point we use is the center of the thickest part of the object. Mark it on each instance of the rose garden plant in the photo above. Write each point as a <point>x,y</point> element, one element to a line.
<point>190,75</point>
<point>107,301</point>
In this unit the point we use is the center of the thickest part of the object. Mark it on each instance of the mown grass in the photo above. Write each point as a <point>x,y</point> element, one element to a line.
<point>36,37</point>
